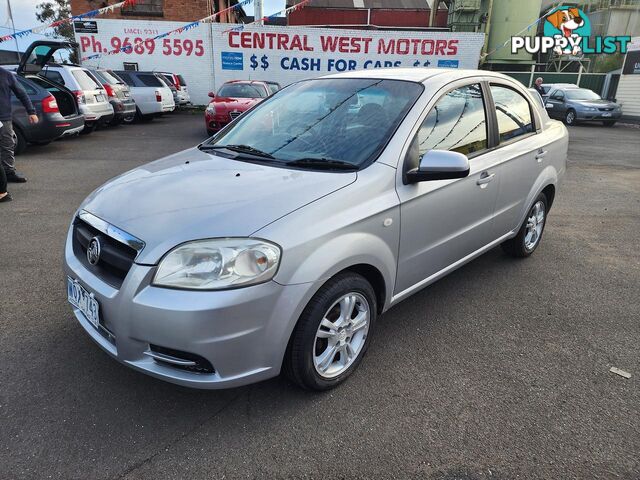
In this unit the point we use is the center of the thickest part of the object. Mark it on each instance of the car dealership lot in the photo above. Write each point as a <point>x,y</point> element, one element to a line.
<point>500,370</point>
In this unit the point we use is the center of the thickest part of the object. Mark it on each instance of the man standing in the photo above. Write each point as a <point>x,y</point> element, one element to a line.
<point>538,86</point>
<point>8,84</point>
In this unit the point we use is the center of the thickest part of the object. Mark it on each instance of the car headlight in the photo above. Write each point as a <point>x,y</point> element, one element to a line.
<point>590,109</point>
<point>218,264</point>
<point>211,109</point>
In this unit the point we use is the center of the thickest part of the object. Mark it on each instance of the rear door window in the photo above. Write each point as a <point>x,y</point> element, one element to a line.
<point>84,80</point>
<point>52,75</point>
<point>513,112</point>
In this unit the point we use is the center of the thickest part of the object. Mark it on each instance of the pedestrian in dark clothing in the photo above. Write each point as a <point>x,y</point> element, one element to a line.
<point>9,84</point>
<point>538,86</point>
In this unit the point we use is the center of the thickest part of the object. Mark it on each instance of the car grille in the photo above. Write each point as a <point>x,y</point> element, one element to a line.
<point>116,258</point>
<point>234,115</point>
<point>607,109</point>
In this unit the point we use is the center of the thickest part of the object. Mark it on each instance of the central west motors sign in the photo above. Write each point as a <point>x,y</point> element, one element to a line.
<point>290,54</point>
<point>211,54</point>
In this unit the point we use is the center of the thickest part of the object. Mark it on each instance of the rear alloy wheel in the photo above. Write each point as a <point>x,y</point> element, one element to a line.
<point>530,233</point>
<point>570,117</point>
<point>332,334</point>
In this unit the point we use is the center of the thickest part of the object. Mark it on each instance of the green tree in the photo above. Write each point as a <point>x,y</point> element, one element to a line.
<point>52,11</point>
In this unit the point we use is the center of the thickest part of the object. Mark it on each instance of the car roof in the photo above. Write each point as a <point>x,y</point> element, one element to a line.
<point>420,74</point>
<point>244,81</point>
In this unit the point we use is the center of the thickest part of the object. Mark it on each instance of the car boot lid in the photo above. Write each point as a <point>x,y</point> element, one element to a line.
<point>39,53</point>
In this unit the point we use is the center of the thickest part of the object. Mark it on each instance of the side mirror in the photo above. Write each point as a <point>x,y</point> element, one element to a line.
<point>211,94</point>
<point>439,165</point>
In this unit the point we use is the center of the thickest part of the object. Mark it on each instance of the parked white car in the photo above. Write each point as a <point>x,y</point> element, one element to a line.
<point>151,94</point>
<point>179,82</point>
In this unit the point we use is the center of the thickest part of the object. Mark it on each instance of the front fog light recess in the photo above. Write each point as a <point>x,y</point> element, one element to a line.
<point>217,264</point>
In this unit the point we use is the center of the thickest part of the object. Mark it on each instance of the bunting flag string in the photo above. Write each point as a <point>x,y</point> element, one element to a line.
<point>269,18</point>
<point>90,14</point>
<point>183,28</point>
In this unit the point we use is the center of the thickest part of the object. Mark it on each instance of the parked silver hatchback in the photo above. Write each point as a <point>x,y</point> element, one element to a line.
<point>276,244</point>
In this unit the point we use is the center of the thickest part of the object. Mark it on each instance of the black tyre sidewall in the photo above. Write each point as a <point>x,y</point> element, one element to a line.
<point>566,117</point>
<point>300,351</point>
<point>521,250</point>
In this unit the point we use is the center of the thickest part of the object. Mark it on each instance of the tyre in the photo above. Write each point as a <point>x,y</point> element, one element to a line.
<point>332,334</point>
<point>88,128</point>
<point>570,117</point>
<point>42,144</point>
<point>608,123</point>
<point>129,120</point>
<point>530,233</point>
<point>20,142</point>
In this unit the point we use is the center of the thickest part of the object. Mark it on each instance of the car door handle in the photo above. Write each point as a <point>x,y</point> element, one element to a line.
<point>540,155</point>
<point>485,177</point>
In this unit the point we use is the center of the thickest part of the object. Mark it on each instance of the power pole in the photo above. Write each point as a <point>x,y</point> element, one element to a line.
<point>258,11</point>
<point>13,27</point>
<point>433,12</point>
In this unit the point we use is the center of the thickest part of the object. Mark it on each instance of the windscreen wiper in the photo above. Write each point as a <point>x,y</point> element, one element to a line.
<point>240,149</point>
<point>322,163</point>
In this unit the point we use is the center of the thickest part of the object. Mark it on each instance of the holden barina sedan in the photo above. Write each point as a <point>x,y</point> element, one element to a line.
<point>276,244</point>
<point>233,99</point>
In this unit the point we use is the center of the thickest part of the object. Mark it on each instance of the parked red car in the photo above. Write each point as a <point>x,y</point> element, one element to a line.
<point>234,98</point>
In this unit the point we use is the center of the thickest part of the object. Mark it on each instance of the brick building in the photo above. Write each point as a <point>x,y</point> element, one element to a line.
<point>411,14</point>
<point>170,10</point>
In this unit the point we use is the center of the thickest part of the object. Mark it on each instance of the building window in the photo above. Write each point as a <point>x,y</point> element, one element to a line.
<point>146,8</point>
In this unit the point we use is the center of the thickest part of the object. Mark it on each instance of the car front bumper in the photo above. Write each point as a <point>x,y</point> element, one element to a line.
<point>586,115</point>
<point>243,333</point>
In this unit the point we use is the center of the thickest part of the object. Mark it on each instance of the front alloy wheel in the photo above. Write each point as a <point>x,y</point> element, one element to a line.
<point>341,335</point>
<point>570,118</point>
<point>333,333</point>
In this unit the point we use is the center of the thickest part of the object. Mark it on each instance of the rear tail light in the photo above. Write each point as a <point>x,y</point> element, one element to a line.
<point>80,96</point>
<point>109,89</point>
<point>50,105</point>
<point>158,96</point>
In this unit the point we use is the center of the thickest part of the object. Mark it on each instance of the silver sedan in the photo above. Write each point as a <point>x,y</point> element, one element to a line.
<point>276,244</point>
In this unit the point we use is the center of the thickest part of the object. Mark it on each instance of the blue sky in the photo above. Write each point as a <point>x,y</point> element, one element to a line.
<point>24,17</point>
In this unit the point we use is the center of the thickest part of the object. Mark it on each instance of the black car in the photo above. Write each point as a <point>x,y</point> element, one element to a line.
<point>56,106</point>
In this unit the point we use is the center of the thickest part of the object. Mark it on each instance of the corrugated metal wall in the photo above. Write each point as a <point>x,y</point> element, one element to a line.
<point>629,95</point>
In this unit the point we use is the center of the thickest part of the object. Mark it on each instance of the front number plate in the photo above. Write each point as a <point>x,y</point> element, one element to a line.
<point>607,114</point>
<point>84,301</point>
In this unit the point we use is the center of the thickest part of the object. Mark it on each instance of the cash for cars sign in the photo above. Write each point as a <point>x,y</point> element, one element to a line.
<point>288,54</point>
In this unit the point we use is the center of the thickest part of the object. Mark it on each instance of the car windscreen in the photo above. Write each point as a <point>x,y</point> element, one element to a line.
<point>346,121</point>
<point>581,94</point>
<point>273,87</point>
<point>84,80</point>
<point>242,90</point>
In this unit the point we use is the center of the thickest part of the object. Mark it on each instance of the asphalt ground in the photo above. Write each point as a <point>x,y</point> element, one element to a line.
<point>498,371</point>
